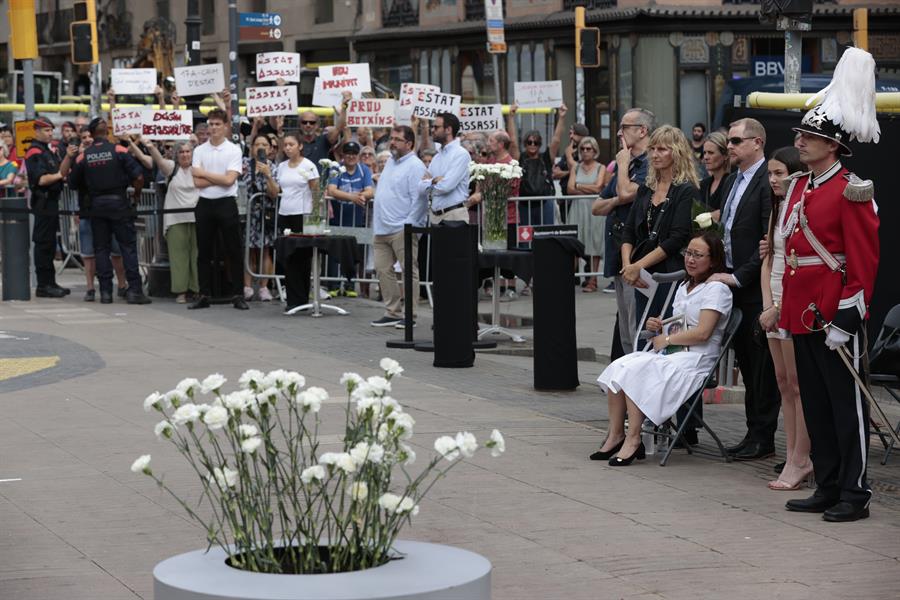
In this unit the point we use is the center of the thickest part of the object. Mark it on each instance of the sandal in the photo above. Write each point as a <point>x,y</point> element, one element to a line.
<point>591,286</point>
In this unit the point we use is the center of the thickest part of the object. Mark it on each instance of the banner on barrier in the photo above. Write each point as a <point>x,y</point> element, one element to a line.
<point>538,94</point>
<point>167,124</point>
<point>271,101</point>
<point>133,81</point>
<point>480,117</point>
<point>428,104</point>
<point>346,78</point>
<point>200,80</point>
<point>126,121</point>
<point>272,66</point>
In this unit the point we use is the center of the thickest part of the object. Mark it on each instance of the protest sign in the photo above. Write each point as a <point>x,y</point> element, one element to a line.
<point>428,104</point>
<point>480,117</point>
<point>538,94</point>
<point>200,80</point>
<point>167,124</point>
<point>323,98</point>
<point>126,121</point>
<point>346,78</point>
<point>408,92</point>
<point>133,81</point>
<point>271,101</point>
<point>371,112</point>
<point>272,66</point>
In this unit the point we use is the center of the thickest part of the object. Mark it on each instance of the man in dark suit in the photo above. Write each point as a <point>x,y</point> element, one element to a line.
<point>745,218</point>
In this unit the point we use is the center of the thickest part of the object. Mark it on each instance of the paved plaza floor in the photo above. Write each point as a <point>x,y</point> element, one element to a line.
<point>76,524</point>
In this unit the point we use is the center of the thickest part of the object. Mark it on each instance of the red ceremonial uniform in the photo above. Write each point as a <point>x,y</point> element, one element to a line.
<point>847,229</point>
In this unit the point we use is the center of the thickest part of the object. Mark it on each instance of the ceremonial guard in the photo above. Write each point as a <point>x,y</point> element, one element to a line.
<point>831,250</point>
<point>46,175</point>
<point>104,171</point>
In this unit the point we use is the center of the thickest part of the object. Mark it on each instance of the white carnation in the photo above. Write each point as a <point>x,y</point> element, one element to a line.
<point>497,444</point>
<point>270,394</point>
<point>312,398</point>
<point>466,443</point>
<point>394,504</point>
<point>246,431</point>
<point>186,413</point>
<point>176,398</point>
<point>380,386</point>
<point>390,367</point>
<point>363,452</point>
<point>341,460</point>
<point>446,447</point>
<point>359,491</point>
<point>407,455</point>
<point>351,380</point>
<point>216,417</point>
<point>250,377</point>
<point>212,383</point>
<point>163,429</point>
<point>141,465</point>
<point>276,379</point>
<point>154,400</point>
<point>704,220</point>
<point>251,444</point>
<point>238,400</point>
<point>404,423</point>
<point>224,478</point>
<point>188,386</point>
<point>293,378</point>
<point>310,473</point>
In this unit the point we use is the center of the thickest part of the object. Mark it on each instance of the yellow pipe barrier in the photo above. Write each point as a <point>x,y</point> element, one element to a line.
<point>321,111</point>
<point>884,101</point>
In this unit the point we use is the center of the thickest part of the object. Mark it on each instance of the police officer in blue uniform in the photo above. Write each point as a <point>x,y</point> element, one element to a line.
<point>104,170</point>
<point>46,174</point>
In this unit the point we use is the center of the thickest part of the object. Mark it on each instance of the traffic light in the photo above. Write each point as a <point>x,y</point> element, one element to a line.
<point>588,46</point>
<point>23,29</point>
<point>83,33</point>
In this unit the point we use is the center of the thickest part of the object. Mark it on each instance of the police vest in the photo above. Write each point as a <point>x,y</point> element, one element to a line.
<point>104,171</point>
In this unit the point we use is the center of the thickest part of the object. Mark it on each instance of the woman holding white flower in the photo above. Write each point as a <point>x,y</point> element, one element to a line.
<point>298,178</point>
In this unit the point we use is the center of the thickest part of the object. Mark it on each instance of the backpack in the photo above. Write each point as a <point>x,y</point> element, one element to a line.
<point>537,177</point>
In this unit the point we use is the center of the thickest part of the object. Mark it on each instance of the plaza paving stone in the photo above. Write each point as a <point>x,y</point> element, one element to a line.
<point>78,525</point>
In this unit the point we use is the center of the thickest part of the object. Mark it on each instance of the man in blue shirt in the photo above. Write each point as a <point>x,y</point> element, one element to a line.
<point>352,189</point>
<point>446,182</point>
<point>397,202</point>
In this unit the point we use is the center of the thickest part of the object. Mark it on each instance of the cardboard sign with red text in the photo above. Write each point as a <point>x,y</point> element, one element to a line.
<point>480,117</point>
<point>271,101</point>
<point>408,92</point>
<point>371,112</point>
<point>428,104</point>
<point>272,66</point>
<point>167,124</point>
<point>346,78</point>
<point>126,121</point>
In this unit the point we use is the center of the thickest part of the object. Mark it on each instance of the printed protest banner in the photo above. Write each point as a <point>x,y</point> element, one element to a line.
<point>428,104</point>
<point>133,81</point>
<point>371,112</point>
<point>126,121</point>
<point>346,78</point>
<point>200,80</point>
<point>538,94</point>
<point>167,124</point>
<point>271,101</point>
<point>272,66</point>
<point>480,117</point>
<point>408,92</point>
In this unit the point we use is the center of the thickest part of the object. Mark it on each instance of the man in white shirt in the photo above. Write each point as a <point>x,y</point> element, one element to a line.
<point>446,182</point>
<point>216,168</point>
<point>398,201</point>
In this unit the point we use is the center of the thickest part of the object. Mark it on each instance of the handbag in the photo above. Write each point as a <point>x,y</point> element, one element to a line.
<point>645,247</point>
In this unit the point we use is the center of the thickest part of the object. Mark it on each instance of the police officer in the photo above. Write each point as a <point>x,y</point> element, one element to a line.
<point>46,174</point>
<point>831,256</point>
<point>104,170</point>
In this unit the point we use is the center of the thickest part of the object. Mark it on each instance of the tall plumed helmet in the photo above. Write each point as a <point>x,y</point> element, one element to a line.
<point>846,106</point>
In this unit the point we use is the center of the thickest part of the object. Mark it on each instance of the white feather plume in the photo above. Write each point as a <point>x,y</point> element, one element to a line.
<point>849,100</point>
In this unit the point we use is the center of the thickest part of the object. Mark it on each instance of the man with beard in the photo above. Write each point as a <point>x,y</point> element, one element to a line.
<point>446,182</point>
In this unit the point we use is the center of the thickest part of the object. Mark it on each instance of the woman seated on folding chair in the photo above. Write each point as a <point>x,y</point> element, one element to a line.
<point>655,383</point>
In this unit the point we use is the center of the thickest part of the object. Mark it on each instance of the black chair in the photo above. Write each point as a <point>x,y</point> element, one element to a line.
<point>884,364</point>
<point>696,400</point>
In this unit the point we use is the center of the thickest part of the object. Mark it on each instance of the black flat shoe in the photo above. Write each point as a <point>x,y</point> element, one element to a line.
<point>601,455</point>
<point>618,461</point>
<point>816,503</point>
<point>90,295</point>
<point>105,297</point>
<point>239,303</point>
<point>844,512</point>
<point>754,451</point>
<point>202,302</point>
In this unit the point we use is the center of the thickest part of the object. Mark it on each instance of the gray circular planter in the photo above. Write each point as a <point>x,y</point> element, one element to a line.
<point>427,572</point>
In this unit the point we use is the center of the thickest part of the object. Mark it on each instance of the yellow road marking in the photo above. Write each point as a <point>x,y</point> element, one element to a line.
<point>16,367</point>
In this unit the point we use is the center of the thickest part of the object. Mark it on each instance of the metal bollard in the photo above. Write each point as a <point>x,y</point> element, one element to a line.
<point>16,285</point>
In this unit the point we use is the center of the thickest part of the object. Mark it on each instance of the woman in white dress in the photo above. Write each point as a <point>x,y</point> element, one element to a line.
<point>654,384</point>
<point>797,466</point>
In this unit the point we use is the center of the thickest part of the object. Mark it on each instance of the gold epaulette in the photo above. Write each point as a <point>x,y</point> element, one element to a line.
<point>859,190</point>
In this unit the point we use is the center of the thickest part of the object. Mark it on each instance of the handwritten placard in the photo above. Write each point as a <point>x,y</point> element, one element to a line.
<point>371,112</point>
<point>408,92</point>
<point>323,98</point>
<point>133,81</point>
<point>271,101</point>
<point>126,121</point>
<point>272,66</point>
<point>346,78</point>
<point>167,124</point>
<point>428,104</point>
<point>200,80</point>
<point>480,117</point>
<point>538,94</point>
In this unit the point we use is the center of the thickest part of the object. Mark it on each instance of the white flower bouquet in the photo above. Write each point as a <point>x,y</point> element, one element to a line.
<point>276,502</point>
<point>328,169</point>
<point>495,182</point>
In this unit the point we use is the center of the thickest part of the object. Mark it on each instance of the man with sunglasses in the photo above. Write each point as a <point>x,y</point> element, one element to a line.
<point>745,220</point>
<point>317,146</point>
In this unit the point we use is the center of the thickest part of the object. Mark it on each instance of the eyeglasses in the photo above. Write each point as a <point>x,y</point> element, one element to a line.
<point>367,154</point>
<point>627,125</point>
<point>737,141</point>
<point>694,255</point>
<point>532,143</point>
<point>587,148</point>
<point>309,122</point>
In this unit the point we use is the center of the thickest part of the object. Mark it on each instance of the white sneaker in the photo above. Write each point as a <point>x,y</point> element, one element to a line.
<point>248,293</point>
<point>264,294</point>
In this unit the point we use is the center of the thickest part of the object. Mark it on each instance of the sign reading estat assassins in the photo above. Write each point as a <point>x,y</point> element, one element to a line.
<point>480,117</point>
<point>371,113</point>
<point>272,66</point>
<point>271,101</point>
<point>167,124</point>
<point>428,104</point>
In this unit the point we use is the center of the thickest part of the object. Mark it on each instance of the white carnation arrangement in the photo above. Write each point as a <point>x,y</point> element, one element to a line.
<point>276,502</point>
<point>495,183</point>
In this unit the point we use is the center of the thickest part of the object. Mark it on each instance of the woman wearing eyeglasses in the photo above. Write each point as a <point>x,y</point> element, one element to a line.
<point>590,175</point>
<point>655,384</point>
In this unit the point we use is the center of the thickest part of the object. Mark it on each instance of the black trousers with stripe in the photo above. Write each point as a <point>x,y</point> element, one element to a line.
<point>837,418</point>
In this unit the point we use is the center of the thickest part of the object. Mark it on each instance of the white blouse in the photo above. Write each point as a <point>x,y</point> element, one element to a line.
<point>296,195</point>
